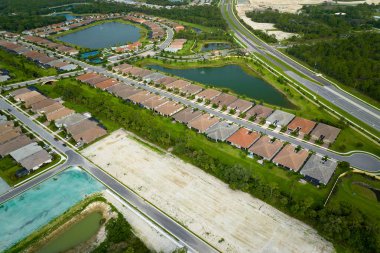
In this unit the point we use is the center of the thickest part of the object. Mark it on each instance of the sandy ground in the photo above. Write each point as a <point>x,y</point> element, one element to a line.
<point>292,6</point>
<point>154,238</point>
<point>232,221</point>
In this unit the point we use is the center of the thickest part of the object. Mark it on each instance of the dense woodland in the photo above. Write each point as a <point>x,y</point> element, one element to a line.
<point>342,223</point>
<point>354,61</point>
<point>190,34</point>
<point>166,2</point>
<point>320,21</point>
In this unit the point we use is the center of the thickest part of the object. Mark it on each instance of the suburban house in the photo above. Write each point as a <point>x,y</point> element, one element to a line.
<point>154,102</point>
<point>166,80</point>
<point>301,126</point>
<point>191,89</point>
<point>319,170</point>
<point>169,108</point>
<point>290,158</point>
<point>203,122</point>
<point>186,115</point>
<point>243,138</point>
<point>223,99</point>
<point>240,105</point>
<point>279,118</point>
<point>266,147</point>
<point>325,133</point>
<point>221,131</point>
<point>208,94</point>
<point>259,112</point>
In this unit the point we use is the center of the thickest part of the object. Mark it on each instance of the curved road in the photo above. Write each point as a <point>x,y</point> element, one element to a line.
<point>320,86</point>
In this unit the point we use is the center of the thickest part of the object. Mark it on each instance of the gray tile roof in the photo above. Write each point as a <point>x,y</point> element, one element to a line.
<point>34,161</point>
<point>221,131</point>
<point>318,169</point>
<point>25,151</point>
<point>280,118</point>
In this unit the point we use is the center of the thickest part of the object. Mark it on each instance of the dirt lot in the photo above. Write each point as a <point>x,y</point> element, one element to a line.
<point>292,6</point>
<point>232,221</point>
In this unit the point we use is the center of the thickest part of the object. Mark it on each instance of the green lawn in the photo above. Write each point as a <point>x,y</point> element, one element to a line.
<point>357,195</point>
<point>8,168</point>
<point>21,69</point>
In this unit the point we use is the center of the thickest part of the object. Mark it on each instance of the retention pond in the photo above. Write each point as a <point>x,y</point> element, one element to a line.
<point>232,77</point>
<point>103,35</point>
<point>36,207</point>
<point>75,235</point>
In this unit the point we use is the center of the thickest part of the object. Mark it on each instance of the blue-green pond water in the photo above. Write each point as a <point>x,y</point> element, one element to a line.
<point>36,207</point>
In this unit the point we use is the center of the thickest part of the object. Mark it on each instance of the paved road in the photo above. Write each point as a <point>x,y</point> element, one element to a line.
<point>343,100</point>
<point>360,161</point>
<point>75,159</point>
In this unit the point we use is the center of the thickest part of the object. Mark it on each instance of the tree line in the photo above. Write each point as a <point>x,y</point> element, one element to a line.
<point>354,61</point>
<point>321,21</point>
<point>340,223</point>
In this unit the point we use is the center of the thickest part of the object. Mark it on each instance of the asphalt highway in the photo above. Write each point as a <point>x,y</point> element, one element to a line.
<point>320,86</point>
<point>191,241</point>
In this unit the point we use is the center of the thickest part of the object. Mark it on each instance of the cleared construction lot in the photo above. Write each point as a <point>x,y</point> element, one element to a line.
<point>232,221</point>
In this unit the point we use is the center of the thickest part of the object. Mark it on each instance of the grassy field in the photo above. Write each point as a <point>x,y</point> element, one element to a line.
<point>21,69</point>
<point>354,189</point>
<point>348,140</point>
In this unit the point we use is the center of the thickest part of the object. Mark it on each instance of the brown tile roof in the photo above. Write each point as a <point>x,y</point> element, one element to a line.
<point>240,105</point>
<point>96,80</point>
<point>35,99</point>
<point>89,134</point>
<point>179,84</point>
<point>169,108</point>
<point>26,95</point>
<point>51,108</point>
<point>81,126</point>
<point>135,71</point>
<point>19,92</point>
<point>61,113</point>
<point>14,144</point>
<point>304,125</point>
<point>141,97</point>
<point>208,94</point>
<point>264,147</point>
<point>288,158</point>
<point>36,160</point>
<point>325,132</point>
<point>42,104</point>
<point>127,92</point>
<point>223,99</point>
<point>187,115</point>
<point>122,67</point>
<point>243,138</point>
<point>144,72</point>
<point>9,135</point>
<point>106,84</point>
<point>154,102</point>
<point>260,111</point>
<point>6,126</point>
<point>116,88</point>
<point>203,122</point>
<point>191,89</point>
<point>166,80</point>
<point>87,76</point>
